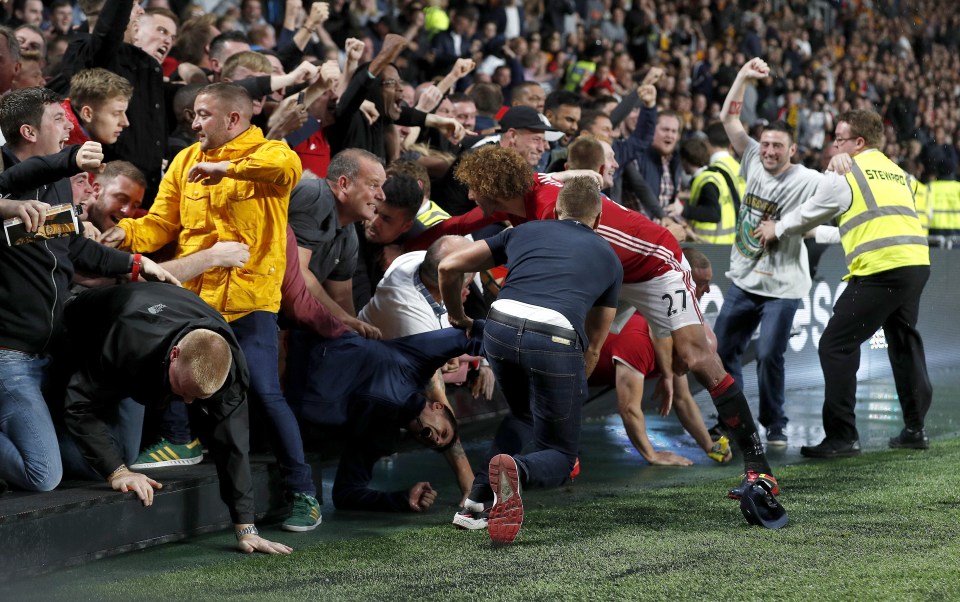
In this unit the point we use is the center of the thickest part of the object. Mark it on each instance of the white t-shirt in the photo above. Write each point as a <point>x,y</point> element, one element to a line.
<point>783,271</point>
<point>397,308</point>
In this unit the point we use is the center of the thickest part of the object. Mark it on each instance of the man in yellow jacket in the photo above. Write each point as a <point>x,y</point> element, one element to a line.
<point>889,262</point>
<point>232,186</point>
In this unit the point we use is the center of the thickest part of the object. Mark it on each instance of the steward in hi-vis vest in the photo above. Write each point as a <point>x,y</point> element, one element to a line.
<point>945,200</point>
<point>881,231</point>
<point>889,261</point>
<point>730,167</point>
<point>723,231</point>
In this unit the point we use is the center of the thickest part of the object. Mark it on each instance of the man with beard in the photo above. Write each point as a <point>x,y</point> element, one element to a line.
<point>766,282</point>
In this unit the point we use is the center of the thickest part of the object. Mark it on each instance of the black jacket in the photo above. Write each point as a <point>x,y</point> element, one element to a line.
<point>144,142</point>
<point>121,337</point>
<point>35,278</point>
<point>350,128</point>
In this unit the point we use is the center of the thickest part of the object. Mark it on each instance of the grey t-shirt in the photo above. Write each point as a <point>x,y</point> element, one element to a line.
<point>780,271</point>
<point>313,218</point>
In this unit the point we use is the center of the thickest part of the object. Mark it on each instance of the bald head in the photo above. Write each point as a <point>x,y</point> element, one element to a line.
<point>443,246</point>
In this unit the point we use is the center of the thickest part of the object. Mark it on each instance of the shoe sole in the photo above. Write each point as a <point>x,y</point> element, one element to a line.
<point>846,454</point>
<point>506,516</point>
<point>465,521</point>
<point>302,529</point>
<point>167,463</point>
<point>898,445</point>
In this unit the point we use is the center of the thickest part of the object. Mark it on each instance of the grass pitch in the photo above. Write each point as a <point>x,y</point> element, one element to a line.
<point>884,526</point>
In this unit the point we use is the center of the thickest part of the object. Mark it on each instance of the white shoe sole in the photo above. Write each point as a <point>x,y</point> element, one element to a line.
<point>166,463</point>
<point>466,521</point>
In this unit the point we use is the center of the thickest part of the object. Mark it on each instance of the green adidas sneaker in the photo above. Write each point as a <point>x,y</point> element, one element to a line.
<point>305,515</point>
<point>163,453</point>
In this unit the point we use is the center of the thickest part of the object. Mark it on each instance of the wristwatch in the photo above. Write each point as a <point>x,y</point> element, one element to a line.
<point>250,530</point>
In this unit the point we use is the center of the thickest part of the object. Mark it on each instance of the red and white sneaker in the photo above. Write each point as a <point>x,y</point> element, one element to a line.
<point>506,516</point>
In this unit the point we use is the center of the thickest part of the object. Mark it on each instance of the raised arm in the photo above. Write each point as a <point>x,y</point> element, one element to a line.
<point>753,70</point>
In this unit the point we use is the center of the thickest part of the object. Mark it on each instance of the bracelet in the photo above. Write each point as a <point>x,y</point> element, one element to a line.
<point>249,530</point>
<point>135,268</point>
<point>121,469</point>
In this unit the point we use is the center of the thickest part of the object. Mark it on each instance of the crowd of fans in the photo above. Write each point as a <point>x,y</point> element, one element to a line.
<point>381,101</point>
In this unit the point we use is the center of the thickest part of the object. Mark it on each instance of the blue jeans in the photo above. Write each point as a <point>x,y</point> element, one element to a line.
<point>742,312</point>
<point>29,455</point>
<point>545,385</point>
<point>126,424</point>
<point>257,335</point>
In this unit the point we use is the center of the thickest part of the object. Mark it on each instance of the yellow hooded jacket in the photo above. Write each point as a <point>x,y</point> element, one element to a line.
<point>248,206</point>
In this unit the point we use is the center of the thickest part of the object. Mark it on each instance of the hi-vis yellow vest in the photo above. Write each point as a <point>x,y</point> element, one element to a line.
<point>921,200</point>
<point>732,168</point>
<point>723,232</point>
<point>880,231</point>
<point>945,199</point>
<point>433,215</point>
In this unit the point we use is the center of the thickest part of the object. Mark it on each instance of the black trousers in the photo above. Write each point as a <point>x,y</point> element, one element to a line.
<point>889,299</point>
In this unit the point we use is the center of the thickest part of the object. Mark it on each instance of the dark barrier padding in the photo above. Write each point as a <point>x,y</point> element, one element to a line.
<point>939,317</point>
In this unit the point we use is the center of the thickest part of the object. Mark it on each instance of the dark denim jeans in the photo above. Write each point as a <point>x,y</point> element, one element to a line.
<point>742,312</point>
<point>126,423</point>
<point>29,454</point>
<point>545,384</point>
<point>257,335</point>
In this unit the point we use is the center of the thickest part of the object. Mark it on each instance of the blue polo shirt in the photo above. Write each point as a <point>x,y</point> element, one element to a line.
<point>561,265</point>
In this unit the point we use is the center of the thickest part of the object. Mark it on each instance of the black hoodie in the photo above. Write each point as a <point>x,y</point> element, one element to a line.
<point>35,278</point>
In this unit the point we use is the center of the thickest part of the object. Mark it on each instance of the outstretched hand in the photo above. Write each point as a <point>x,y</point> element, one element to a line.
<point>251,543</point>
<point>137,482</point>
<point>152,271</point>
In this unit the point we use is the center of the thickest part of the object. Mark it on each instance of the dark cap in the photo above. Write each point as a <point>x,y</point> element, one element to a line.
<point>528,118</point>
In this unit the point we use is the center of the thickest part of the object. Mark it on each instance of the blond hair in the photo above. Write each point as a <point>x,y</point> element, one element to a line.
<point>253,61</point>
<point>208,358</point>
<point>93,87</point>
<point>579,199</point>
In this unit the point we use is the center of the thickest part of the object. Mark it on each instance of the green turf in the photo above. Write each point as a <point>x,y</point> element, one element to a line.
<point>885,526</point>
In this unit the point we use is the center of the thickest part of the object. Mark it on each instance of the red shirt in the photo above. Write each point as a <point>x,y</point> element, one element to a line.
<point>77,134</point>
<point>314,153</point>
<point>645,249</point>
<point>631,346</point>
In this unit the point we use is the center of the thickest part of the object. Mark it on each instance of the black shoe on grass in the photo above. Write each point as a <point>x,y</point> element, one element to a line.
<point>910,439</point>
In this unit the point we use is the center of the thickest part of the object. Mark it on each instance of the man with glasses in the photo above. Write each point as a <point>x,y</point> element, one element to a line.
<point>889,262</point>
<point>767,282</point>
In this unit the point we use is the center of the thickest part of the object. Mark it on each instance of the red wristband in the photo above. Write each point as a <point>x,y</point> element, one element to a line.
<point>135,268</point>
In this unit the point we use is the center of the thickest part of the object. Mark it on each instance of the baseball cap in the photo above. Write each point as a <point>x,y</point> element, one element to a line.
<point>528,118</point>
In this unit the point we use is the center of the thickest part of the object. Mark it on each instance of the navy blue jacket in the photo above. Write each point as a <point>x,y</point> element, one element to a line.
<point>369,390</point>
